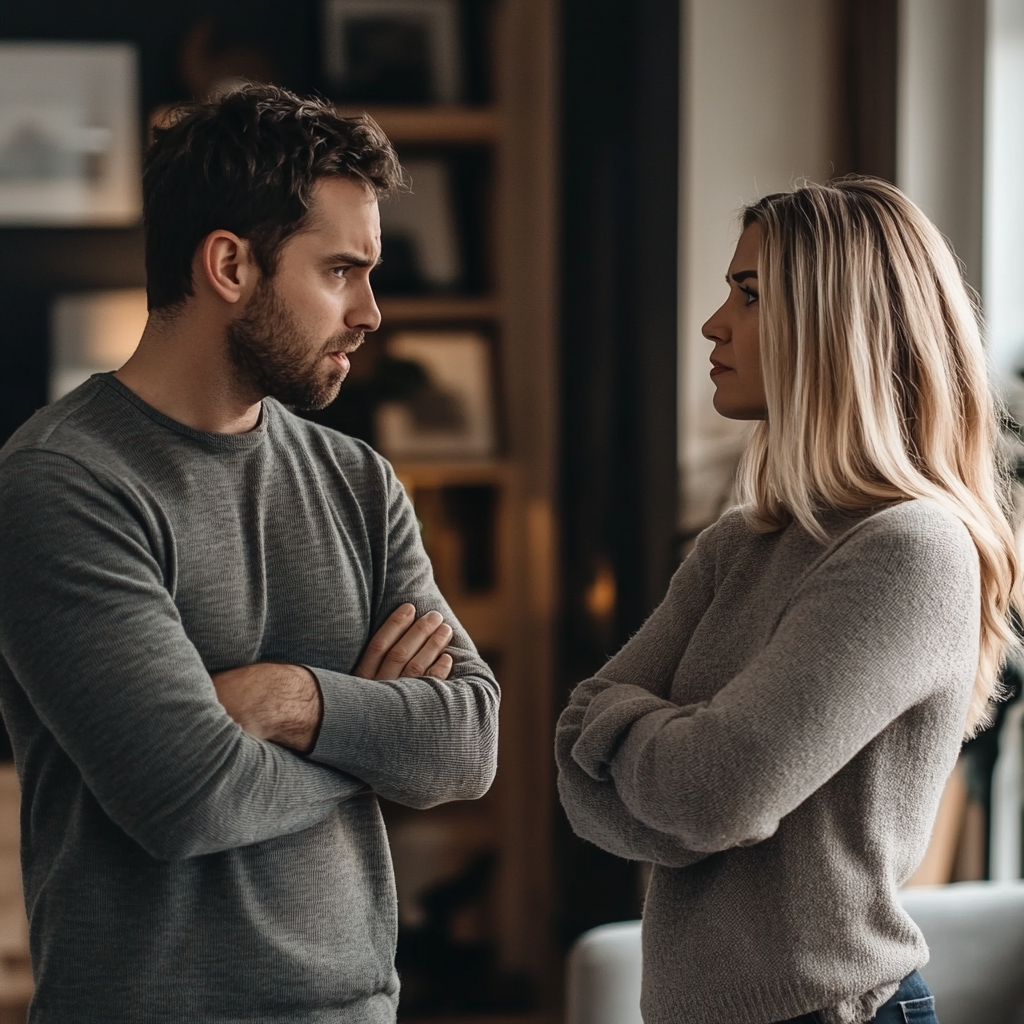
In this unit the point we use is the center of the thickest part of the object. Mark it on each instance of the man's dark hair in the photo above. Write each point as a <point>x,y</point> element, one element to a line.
<point>247,162</point>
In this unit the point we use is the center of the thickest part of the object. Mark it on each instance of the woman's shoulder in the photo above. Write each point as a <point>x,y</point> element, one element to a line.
<point>918,521</point>
<point>731,539</point>
<point>724,533</point>
<point>920,533</point>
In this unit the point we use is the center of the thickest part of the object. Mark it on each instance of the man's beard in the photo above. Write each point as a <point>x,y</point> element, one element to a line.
<point>273,355</point>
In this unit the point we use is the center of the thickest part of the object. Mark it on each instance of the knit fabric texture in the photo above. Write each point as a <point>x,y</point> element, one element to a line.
<point>775,739</point>
<point>175,867</point>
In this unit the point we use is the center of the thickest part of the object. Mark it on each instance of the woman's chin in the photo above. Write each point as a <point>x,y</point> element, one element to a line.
<point>738,410</point>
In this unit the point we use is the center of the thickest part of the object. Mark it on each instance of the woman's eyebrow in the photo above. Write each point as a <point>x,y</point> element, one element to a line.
<point>741,275</point>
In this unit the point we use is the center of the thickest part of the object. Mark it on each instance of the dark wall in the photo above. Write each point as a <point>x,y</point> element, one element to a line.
<point>276,35</point>
<point>620,183</point>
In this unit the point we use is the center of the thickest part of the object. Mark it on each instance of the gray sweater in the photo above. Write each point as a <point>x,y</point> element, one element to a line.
<point>177,869</point>
<point>776,739</point>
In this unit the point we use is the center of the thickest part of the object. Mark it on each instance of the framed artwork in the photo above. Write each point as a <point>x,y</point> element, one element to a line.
<point>91,332</point>
<point>392,51</point>
<point>449,413</point>
<point>69,134</point>
<point>419,233</point>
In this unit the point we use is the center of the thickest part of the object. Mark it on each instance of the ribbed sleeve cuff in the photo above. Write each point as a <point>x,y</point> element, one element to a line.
<point>343,730</point>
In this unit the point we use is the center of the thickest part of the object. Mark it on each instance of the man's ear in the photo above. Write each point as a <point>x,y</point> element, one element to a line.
<point>226,264</point>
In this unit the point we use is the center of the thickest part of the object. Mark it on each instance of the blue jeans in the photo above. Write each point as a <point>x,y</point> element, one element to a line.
<point>911,1003</point>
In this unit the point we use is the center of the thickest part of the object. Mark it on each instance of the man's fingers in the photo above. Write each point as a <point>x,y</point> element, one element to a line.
<point>395,626</point>
<point>428,654</point>
<point>394,665</point>
<point>441,668</point>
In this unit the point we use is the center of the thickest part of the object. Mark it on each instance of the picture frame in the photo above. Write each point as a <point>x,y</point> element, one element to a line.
<point>420,233</point>
<point>69,135</point>
<point>451,415</point>
<point>92,332</point>
<point>392,51</point>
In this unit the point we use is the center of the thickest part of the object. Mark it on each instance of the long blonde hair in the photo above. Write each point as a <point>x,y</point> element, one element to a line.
<point>876,383</point>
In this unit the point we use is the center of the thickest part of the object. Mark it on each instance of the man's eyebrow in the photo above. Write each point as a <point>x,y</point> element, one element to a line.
<point>352,259</point>
<point>741,275</point>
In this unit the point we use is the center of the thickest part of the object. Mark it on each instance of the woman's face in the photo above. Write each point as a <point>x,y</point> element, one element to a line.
<point>736,357</point>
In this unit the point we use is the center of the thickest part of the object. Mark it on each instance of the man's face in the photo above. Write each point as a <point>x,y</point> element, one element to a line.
<point>293,338</point>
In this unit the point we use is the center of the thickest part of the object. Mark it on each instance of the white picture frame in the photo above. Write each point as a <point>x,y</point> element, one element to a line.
<point>69,135</point>
<point>454,417</point>
<point>438,19</point>
<point>92,332</point>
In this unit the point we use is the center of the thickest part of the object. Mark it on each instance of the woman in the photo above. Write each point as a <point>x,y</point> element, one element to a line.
<point>775,739</point>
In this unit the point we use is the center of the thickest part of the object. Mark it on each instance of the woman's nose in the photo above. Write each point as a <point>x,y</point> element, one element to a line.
<point>715,328</point>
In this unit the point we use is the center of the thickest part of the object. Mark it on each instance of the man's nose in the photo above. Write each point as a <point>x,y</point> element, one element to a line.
<point>363,315</point>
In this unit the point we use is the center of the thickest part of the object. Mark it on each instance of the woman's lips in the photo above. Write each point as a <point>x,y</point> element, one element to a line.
<point>717,368</point>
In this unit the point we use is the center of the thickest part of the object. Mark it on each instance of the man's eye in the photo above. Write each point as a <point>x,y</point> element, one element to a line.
<point>341,271</point>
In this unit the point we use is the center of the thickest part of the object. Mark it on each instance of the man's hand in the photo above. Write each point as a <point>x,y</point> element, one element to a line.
<point>283,703</point>
<point>280,703</point>
<point>407,646</point>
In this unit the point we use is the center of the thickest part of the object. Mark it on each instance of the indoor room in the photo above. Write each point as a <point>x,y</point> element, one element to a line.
<point>533,367</point>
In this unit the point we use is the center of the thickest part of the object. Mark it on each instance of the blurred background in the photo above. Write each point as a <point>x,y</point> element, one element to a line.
<point>540,380</point>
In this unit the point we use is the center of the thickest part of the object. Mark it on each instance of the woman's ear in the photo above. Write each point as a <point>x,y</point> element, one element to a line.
<point>226,265</point>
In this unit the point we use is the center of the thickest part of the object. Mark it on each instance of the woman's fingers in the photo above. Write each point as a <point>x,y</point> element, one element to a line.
<point>395,627</point>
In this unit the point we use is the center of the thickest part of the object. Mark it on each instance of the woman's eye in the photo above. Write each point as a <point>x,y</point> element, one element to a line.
<point>751,296</point>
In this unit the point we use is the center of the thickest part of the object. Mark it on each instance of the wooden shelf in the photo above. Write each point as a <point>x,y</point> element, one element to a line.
<point>437,307</point>
<point>443,125</point>
<point>452,474</point>
<point>434,125</point>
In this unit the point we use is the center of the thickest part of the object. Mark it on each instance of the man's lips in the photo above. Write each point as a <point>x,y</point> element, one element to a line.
<point>341,359</point>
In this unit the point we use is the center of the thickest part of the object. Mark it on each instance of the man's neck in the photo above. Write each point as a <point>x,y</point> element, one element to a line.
<point>182,369</point>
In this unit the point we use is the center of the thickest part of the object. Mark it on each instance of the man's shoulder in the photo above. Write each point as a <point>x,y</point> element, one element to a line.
<point>66,429</point>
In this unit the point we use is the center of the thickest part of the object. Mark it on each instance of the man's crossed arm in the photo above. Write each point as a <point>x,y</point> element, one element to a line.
<point>282,703</point>
<point>80,583</point>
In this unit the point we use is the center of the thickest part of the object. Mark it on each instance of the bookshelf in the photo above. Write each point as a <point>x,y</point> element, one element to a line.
<point>434,125</point>
<point>508,606</point>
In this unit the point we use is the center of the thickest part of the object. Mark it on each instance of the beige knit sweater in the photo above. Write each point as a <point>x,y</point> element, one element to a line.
<point>776,739</point>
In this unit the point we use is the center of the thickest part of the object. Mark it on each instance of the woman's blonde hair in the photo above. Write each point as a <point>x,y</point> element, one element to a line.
<point>876,382</point>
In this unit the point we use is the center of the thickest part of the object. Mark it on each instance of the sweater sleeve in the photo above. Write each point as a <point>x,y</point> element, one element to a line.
<point>592,803</point>
<point>889,617</point>
<point>416,741</point>
<point>92,635</point>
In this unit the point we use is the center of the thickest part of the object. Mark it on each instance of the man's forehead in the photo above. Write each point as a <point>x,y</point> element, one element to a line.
<point>337,192</point>
<point>345,210</point>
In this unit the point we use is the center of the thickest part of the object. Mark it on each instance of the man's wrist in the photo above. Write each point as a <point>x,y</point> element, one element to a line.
<point>293,709</point>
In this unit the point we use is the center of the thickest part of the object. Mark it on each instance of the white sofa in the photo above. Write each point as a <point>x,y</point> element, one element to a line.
<point>975,931</point>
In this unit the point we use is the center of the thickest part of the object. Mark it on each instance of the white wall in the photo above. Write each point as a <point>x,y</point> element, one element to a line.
<point>1003,288</point>
<point>940,118</point>
<point>756,106</point>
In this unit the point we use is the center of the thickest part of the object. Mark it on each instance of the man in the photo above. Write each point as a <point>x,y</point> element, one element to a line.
<point>220,639</point>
